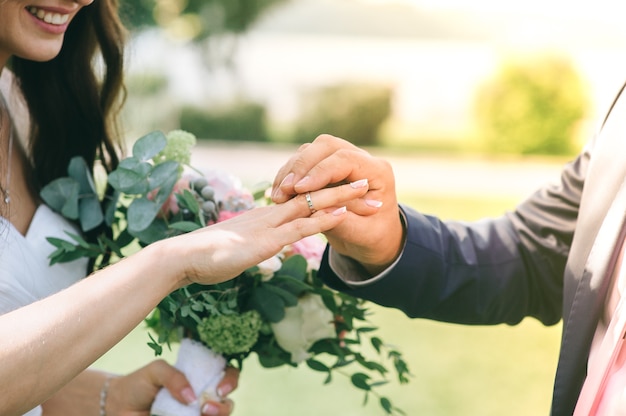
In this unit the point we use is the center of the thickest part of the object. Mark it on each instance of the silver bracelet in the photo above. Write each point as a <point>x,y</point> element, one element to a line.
<point>103,396</point>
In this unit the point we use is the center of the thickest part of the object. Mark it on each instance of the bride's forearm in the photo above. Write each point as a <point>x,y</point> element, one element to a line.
<point>45,344</point>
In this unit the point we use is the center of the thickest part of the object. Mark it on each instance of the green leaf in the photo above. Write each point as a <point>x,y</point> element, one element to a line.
<point>386,405</point>
<point>57,194</point>
<point>288,298</point>
<point>90,212</point>
<point>156,231</point>
<point>317,365</point>
<point>141,213</point>
<point>296,267</point>
<point>162,174</point>
<point>359,380</point>
<point>376,343</point>
<point>110,205</point>
<point>158,349</point>
<point>130,177</point>
<point>187,200</point>
<point>366,329</point>
<point>269,304</point>
<point>185,226</point>
<point>80,240</point>
<point>149,145</point>
<point>79,171</point>
<point>62,244</point>
<point>290,284</point>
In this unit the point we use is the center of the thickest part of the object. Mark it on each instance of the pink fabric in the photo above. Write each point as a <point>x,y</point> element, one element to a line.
<point>604,390</point>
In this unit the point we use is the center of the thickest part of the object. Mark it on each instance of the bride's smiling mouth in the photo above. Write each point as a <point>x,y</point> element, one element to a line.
<point>49,17</point>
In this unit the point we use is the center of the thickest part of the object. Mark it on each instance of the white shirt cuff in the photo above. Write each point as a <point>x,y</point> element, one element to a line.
<point>352,272</point>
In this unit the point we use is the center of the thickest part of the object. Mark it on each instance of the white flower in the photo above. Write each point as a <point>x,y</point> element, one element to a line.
<point>303,325</point>
<point>268,267</point>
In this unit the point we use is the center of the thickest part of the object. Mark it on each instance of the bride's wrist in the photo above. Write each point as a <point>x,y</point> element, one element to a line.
<point>165,260</point>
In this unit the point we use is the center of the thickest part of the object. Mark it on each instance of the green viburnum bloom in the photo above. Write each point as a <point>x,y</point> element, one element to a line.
<point>178,148</point>
<point>231,334</point>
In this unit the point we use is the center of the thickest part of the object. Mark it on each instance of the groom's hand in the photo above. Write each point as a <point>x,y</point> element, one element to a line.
<point>372,234</point>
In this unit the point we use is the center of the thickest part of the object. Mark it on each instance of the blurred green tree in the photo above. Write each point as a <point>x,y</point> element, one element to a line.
<point>195,19</point>
<point>532,106</point>
<point>353,111</point>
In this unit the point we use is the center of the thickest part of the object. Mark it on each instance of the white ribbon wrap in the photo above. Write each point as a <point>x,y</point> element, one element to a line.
<point>203,368</point>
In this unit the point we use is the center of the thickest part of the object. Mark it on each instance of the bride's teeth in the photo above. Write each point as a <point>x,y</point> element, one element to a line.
<point>49,17</point>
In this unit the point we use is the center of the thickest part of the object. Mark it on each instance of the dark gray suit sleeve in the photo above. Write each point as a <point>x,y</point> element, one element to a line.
<point>492,271</point>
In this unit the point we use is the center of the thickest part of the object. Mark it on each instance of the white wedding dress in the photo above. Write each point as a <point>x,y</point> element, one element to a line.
<point>25,273</point>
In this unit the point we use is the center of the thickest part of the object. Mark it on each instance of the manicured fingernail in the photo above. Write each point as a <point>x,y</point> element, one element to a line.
<point>224,390</point>
<point>373,203</point>
<point>288,180</point>
<point>188,395</point>
<point>302,181</point>
<point>339,211</point>
<point>362,183</point>
<point>210,409</point>
<point>276,194</point>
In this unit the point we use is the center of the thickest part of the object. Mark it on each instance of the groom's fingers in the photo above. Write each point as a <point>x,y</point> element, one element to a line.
<point>306,158</point>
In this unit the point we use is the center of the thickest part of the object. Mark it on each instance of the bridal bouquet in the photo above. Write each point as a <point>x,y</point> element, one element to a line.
<point>278,310</point>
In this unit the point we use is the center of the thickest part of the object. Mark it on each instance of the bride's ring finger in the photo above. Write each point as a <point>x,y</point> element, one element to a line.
<point>322,199</point>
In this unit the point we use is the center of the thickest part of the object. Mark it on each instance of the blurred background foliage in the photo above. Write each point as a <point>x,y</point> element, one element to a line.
<point>351,110</point>
<point>530,106</point>
<point>195,20</point>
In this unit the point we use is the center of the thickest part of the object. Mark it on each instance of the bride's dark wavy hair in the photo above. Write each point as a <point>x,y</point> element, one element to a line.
<point>74,99</point>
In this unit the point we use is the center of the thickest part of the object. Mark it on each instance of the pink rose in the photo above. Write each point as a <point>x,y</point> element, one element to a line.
<point>226,215</point>
<point>170,206</point>
<point>311,248</point>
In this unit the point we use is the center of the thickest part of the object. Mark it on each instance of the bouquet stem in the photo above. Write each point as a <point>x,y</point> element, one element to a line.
<point>203,368</point>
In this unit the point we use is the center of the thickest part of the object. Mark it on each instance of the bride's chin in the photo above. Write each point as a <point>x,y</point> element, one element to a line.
<point>40,56</point>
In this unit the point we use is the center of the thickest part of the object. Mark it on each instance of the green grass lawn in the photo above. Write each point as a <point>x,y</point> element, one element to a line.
<point>457,370</point>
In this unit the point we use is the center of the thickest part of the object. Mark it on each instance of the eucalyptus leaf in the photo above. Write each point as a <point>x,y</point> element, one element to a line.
<point>70,208</point>
<point>110,205</point>
<point>149,145</point>
<point>128,181</point>
<point>153,233</point>
<point>165,190</point>
<point>185,226</point>
<point>141,213</point>
<point>162,174</point>
<point>58,192</point>
<point>79,171</point>
<point>90,212</point>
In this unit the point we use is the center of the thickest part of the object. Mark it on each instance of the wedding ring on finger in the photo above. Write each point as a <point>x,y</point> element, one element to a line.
<point>310,202</point>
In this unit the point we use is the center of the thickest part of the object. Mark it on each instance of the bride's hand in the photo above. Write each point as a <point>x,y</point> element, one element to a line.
<point>133,394</point>
<point>224,250</point>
